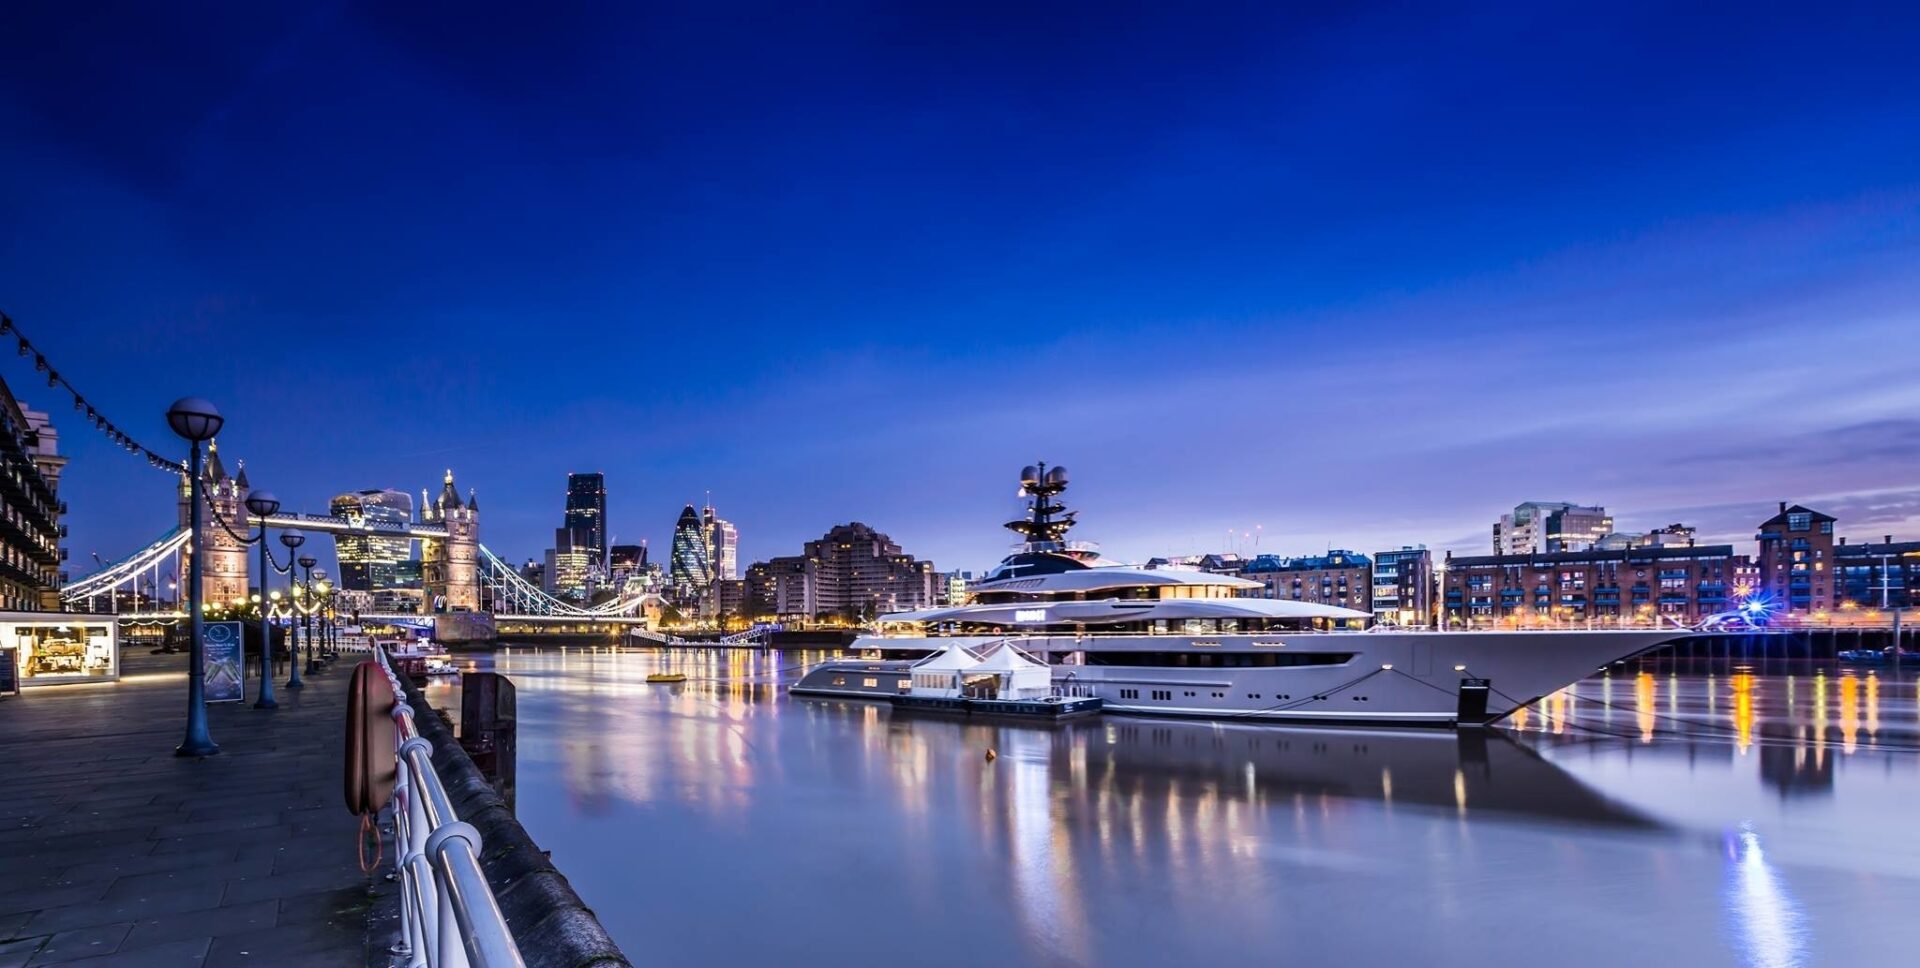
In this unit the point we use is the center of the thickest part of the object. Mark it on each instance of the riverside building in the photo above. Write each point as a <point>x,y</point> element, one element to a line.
<point>1796,561</point>
<point>1339,578</point>
<point>30,529</point>
<point>1872,575</point>
<point>1626,586</point>
<point>1403,587</point>
<point>851,572</point>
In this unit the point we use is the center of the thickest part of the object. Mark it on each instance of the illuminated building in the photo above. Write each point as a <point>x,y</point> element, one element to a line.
<point>1403,586</point>
<point>30,552</point>
<point>570,563</point>
<point>688,568</point>
<point>587,515</point>
<point>853,572</point>
<point>1549,527</point>
<point>1624,586</point>
<point>723,543</point>
<point>386,567</point>
<point>1881,575</point>
<point>1336,578</point>
<point>1796,561</point>
<point>952,587</point>
<point>626,563</point>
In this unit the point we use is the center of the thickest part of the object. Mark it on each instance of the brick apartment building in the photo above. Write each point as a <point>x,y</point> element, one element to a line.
<point>1629,585</point>
<point>1336,578</point>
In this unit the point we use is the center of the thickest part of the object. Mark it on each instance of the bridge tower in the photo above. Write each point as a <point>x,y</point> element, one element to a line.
<point>225,577</point>
<point>450,567</point>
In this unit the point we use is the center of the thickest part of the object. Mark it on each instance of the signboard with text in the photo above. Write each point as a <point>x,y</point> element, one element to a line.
<point>223,653</point>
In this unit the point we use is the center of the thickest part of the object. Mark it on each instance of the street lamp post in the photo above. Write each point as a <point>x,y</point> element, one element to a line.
<point>261,504</point>
<point>293,540</point>
<point>306,617</point>
<point>324,588</point>
<point>196,421</point>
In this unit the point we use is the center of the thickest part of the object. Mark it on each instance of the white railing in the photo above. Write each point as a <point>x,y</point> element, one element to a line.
<point>448,915</point>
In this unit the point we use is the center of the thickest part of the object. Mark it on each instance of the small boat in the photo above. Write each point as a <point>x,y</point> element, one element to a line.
<point>437,666</point>
<point>1888,654</point>
<point>666,677</point>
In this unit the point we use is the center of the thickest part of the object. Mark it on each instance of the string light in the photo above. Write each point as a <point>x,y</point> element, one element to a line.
<point>100,422</point>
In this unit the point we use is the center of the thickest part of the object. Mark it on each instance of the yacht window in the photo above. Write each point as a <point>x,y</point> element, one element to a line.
<point>870,683</point>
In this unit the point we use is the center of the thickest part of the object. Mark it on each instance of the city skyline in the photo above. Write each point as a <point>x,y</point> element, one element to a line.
<point>1354,282</point>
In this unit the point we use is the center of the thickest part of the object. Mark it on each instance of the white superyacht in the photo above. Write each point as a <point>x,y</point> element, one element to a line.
<point>1179,642</point>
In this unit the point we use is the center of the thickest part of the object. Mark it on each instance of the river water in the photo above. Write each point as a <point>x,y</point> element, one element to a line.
<point>1700,816</point>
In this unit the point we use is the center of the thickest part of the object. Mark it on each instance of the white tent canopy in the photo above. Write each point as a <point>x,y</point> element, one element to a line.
<point>1017,675</point>
<point>942,673</point>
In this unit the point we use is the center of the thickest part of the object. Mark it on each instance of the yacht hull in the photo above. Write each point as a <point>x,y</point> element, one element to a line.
<point>1354,678</point>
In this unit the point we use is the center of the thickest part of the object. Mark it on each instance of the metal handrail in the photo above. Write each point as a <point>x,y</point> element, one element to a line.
<point>449,917</point>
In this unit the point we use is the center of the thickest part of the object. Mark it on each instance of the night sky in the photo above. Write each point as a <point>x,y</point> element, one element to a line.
<point>1358,277</point>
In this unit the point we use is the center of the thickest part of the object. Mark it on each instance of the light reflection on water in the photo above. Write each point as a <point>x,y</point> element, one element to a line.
<point>1737,819</point>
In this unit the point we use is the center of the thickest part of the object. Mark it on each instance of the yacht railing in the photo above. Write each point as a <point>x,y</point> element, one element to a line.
<point>449,918</point>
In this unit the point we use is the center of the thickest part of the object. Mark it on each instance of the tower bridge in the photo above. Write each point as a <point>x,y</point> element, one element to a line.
<point>458,573</point>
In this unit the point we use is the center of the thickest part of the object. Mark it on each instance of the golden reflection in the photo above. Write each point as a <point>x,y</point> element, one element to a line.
<point>1460,790</point>
<point>1645,697</point>
<point>1819,718</point>
<point>1873,706</point>
<point>1520,717</point>
<point>1743,711</point>
<point>1849,712</point>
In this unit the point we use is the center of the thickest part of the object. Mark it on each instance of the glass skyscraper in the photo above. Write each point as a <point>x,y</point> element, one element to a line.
<point>690,567</point>
<point>377,563</point>
<point>587,514</point>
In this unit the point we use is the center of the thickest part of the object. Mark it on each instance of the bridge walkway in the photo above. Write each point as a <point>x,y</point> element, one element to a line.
<point>116,852</point>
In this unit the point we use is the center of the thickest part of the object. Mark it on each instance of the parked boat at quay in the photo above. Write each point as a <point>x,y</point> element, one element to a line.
<point>1179,642</point>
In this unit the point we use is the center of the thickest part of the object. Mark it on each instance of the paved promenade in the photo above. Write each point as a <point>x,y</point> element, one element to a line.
<point>115,852</point>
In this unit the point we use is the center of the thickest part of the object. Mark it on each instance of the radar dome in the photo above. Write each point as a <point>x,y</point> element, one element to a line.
<point>1057,476</point>
<point>1029,474</point>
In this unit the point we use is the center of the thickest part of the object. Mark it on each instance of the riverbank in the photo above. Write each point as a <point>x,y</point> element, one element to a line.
<point>551,925</point>
<point>117,852</point>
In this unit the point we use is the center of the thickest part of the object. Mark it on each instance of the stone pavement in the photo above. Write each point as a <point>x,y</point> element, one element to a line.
<point>113,851</point>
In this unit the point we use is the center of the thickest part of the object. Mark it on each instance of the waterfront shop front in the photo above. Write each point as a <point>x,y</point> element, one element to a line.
<point>46,648</point>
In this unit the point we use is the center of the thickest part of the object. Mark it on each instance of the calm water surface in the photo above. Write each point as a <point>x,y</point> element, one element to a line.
<point>1651,817</point>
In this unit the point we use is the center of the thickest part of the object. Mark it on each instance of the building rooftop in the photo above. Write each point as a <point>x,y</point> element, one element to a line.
<point>1577,557</point>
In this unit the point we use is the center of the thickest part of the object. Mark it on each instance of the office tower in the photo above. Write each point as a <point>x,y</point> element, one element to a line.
<point>587,514</point>
<point>723,542</point>
<point>1544,527</point>
<point>383,565</point>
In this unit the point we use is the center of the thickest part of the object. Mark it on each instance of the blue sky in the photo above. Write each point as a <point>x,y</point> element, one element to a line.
<point>1359,276</point>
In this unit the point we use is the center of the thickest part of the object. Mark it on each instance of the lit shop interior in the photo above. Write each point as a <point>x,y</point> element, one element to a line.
<point>48,650</point>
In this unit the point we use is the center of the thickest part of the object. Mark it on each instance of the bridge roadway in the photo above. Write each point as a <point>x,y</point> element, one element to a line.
<point>410,618</point>
<point>120,853</point>
<point>338,525</point>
